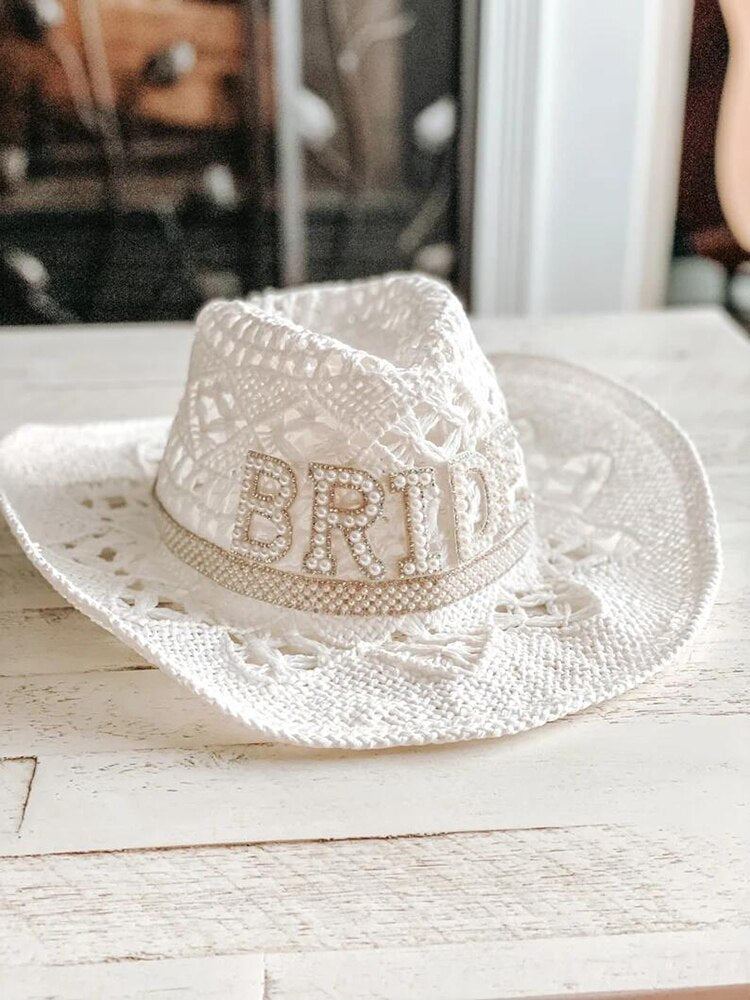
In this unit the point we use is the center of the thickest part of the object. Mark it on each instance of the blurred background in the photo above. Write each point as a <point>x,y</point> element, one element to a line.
<point>541,155</point>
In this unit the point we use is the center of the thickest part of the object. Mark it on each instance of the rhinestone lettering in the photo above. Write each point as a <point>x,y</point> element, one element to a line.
<point>420,493</point>
<point>477,503</point>
<point>269,487</point>
<point>331,485</point>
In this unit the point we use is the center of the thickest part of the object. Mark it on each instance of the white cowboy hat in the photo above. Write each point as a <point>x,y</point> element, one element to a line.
<point>336,542</point>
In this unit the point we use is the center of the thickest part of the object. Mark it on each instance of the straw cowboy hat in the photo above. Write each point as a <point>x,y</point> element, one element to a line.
<point>357,531</point>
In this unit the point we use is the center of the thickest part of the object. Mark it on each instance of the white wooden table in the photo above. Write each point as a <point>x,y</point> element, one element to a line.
<point>149,850</point>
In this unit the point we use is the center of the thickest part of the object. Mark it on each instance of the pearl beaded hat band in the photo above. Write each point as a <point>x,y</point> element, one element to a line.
<point>350,536</point>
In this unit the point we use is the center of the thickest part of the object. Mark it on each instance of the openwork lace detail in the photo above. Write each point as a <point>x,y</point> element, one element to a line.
<point>576,537</point>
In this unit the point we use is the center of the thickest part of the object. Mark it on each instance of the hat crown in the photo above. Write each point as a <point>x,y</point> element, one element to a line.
<point>335,430</point>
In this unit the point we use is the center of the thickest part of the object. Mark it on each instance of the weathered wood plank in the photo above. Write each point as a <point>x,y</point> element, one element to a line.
<point>8,544</point>
<point>16,775</point>
<point>447,972</point>
<point>58,640</point>
<point>124,352</point>
<point>22,587</point>
<point>562,774</point>
<point>64,404</point>
<point>230,977</point>
<point>109,710</point>
<point>601,969</point>
<point>415,892</point>
<point>676,337</point>
<point>730,491</point>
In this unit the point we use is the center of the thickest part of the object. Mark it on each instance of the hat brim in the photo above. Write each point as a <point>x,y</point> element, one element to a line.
<point>628,542</point>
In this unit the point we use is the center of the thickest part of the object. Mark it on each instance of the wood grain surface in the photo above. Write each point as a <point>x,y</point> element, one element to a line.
<point>152,848</point>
